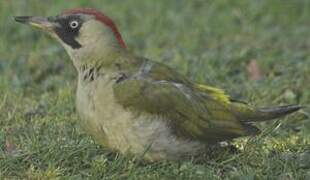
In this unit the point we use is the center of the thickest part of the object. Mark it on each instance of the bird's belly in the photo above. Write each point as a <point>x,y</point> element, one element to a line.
<point>122,130</point>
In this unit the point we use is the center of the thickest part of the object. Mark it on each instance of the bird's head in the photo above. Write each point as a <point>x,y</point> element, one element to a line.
<point>85,33</point>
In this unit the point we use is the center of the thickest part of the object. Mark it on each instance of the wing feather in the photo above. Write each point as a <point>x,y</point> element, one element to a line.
<point>187,111</point>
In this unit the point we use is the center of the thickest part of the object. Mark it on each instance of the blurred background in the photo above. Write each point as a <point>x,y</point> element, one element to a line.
<point>258,51</point>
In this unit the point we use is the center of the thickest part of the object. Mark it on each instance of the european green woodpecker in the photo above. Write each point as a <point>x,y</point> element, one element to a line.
<point>134,105</point>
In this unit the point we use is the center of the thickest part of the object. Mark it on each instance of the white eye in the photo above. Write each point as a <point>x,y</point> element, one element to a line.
<point>74,24</point>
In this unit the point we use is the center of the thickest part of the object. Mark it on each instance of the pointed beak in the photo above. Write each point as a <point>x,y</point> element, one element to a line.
<point>40,22</point>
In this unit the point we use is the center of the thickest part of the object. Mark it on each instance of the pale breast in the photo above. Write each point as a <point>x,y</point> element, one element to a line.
<point>128,132</point>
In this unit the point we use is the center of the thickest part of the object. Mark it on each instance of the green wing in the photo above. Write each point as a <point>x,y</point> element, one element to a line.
<point>189,112</point>
<point>192,110</point>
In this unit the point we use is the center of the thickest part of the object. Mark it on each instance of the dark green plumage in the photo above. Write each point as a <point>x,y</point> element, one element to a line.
<point>193,111</point>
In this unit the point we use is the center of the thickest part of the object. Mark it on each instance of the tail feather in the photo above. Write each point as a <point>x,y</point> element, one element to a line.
<point>265,114</point>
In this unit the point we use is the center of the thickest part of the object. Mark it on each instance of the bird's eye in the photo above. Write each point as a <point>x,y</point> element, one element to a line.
<point>74,24</point>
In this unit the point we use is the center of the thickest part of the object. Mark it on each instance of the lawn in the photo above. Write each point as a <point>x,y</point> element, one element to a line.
<point>258,51</point>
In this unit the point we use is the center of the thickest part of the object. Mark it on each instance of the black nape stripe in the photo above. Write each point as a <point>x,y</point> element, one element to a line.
<point>68,34</point>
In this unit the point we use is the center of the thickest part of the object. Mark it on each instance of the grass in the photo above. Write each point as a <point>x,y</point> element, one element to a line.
<point>211,42</point>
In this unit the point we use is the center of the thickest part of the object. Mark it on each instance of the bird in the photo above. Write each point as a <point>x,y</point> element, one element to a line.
<point>133,105</point>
